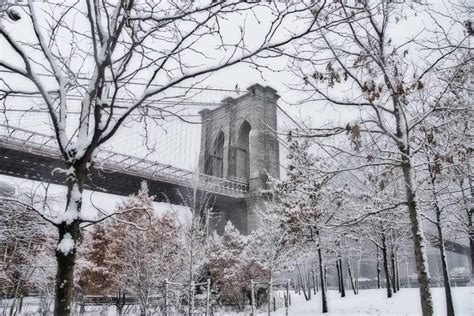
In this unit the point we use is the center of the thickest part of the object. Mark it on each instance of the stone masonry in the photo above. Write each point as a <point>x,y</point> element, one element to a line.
<point>239,142</point>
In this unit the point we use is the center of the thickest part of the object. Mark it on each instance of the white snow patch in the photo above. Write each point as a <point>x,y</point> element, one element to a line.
<point>68,172</point>
<point>88,214</point>
<point>66,244</point>
<point>72,213</point>
<point>75,193</point>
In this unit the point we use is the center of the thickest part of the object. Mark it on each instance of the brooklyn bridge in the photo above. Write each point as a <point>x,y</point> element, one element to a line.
<point>239,149</point>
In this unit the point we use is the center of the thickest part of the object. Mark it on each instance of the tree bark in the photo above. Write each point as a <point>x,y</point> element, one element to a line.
<point>470,214</point>
<point>398,273</point>
<point>358,272</point>
<point>385,267</point>
<point>343,290</point>
<point>270,295</point>
<point>403,144</point>
<point>471,244</point>
<point>470,227</point>
<point>394,272</point>
<point>323,283</point>
<point>418,238</point>
<point>350,276</point>
<point>379,269</point>
<point>442,248</point>
<point>303,285</point>
<point>444,263</point>
<point>326,276</point>
<point>338,276</point>
<point>308,282</point>
<point>64,285</point>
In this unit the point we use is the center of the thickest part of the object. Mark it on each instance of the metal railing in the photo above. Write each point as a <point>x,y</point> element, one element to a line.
<point>109,161</point>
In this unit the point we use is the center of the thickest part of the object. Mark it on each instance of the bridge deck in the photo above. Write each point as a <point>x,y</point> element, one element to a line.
<point>41,145</point>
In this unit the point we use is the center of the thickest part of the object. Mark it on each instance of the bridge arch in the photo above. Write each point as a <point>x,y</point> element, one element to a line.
<point>218,155</point>
<point>242,155</point>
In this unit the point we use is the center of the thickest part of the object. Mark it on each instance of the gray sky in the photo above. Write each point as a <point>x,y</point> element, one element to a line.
<point>178,143</point>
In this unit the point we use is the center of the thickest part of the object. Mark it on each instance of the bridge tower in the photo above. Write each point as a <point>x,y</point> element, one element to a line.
<point>239,142</point>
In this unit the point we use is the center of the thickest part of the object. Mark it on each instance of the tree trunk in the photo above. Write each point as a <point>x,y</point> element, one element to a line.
<point>338,276</point>
<point>398,272</point>
<point>394,273</point>
<point>403,144</point>
<point>444,263</point>
<point>326,276</point>
<point>323,282</point>
<point>350,276</point>
<point>470,227</point>
<point>120,302</point>
<point>315,282</point>
<point>385,267</point>
<point>65,262</point>
<point>379,269</point>
<point>343,291</point>
<point>470,214</point>
<point>316,279</point>
<point>308,282</point>
<point>471,244</point>
<point>471,241</point>
<point>358,272</point>
<point>64,285</point>
<point>303,285</point>
<point>270,295</point>
<point>418,237</point>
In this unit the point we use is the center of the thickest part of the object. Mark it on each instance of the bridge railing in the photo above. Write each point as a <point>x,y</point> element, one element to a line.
<point>46,145</point>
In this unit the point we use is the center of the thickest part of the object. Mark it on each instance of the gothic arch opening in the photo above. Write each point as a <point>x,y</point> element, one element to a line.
<point>242,154</point>
<point>218,156</point>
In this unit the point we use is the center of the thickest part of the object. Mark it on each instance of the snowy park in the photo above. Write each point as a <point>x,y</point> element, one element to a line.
<point>228,157</point>
<point>367,302</point>
<point>375,302</point>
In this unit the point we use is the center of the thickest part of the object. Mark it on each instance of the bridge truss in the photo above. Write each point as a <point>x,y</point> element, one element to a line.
<point>110,161</point>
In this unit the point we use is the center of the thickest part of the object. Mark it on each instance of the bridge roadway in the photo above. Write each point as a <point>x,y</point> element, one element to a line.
<point>35,156</point>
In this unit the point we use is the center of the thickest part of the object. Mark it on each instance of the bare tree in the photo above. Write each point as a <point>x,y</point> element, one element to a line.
<point>377,75</point>
<point>95,50</point>
<point>445,146</point>
<point>310,202</point>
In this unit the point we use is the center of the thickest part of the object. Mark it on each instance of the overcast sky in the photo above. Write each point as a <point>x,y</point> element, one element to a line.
<point>178,143</point>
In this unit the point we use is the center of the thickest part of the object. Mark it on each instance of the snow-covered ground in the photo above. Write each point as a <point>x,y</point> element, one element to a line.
<point>367,302</point>
<point>375,302</point>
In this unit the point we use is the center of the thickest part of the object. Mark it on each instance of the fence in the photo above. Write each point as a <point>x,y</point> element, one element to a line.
<point>272,300</point>
<point>168,296</point>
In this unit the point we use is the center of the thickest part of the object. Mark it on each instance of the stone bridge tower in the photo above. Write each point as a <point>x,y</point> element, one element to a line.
<point>239,142</point>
